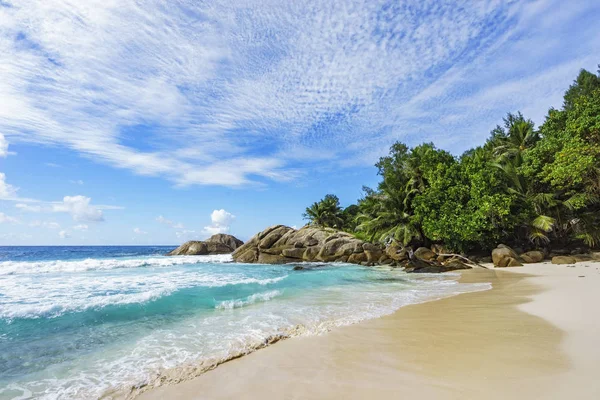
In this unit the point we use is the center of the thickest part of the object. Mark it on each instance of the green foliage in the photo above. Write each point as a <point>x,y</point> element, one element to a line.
<point>326,213</point>
<point>523,186</point>
<point>583,86</point>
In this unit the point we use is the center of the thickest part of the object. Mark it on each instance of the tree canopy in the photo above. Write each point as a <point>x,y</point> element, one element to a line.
<point>524,186</point>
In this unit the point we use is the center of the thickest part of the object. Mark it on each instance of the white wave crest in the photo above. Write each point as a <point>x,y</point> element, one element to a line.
<point>92,264</point>
<point>53,296</point>
<point>252,299</point>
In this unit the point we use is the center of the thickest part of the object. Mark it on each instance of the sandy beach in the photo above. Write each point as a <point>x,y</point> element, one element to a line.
<point>533,336</point>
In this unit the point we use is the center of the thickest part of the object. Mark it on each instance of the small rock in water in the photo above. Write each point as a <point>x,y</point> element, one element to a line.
<point>298,268</point>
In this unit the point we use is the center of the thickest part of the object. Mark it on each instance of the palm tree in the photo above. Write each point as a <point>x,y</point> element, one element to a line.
<point>518,136</point>
<point>383,217</point>
<point>553,213</point>
<point>326,213</point>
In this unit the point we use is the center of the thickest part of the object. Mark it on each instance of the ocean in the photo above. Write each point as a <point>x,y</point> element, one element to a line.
<point>88,322</point>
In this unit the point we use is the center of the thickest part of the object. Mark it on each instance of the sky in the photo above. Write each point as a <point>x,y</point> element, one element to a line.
<point>151,122</point>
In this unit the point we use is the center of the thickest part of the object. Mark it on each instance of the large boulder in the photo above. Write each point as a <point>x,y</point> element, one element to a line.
<point>503,256</point>
<point>216,244</point>
<point>563,260</point>
<point>398,253</point>
<point>534,256</point>
<point>228,240</point>
<point>425,254</point>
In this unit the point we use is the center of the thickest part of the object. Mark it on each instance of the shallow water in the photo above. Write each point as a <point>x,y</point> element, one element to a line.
<point>78,321</point>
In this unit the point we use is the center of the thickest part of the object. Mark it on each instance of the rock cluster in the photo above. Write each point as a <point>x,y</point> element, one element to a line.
<point>281,244</point>
<point>216,244</point>
<point>503,256</point>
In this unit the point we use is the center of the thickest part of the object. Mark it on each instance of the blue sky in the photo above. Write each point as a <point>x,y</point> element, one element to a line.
<point>145,122</point>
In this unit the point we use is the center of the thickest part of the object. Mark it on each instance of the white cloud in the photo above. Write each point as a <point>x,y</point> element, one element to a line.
<point>221,221</point>
<point>44,224</point>
<point>78,206</point>
<point>163,220</point>
<point>6,219</point>
<point>175,225</point>
<point>221,217</point>
<point>64,234</point>
<point>80,209</point>
<point>77,182</point>
<point>28,207</point>
<point>3,146</point>
<point>138,231</point>
<point>238,93</point>
<point>81,227</point>
<point>7,191</point>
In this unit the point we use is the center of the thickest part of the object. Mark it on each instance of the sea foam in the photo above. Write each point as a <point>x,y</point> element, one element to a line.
<point>91,264</point>
<point>52,295</point>
<point>252,299</point>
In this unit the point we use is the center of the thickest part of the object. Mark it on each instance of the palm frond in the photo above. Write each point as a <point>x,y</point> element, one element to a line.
<point>543,223</point>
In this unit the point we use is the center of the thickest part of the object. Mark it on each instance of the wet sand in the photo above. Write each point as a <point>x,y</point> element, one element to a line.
<point>534,335</point>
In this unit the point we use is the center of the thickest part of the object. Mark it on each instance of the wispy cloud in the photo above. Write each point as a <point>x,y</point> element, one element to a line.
<point>7,191</point>
<point>7,219</point>
<point>238,92</point>
<point>28,207</point>
<point>3,146</point>
<point>45,224</point>
<point>138,231</point>
<point>165,221</point>
<point>79,207</point>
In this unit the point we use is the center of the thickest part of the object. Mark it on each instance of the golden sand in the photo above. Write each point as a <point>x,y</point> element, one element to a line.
<point>535,335</point>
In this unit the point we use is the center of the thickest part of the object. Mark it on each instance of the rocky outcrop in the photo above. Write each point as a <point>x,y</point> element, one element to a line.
<point>228,240</point>
<point>216,244</point>
<point>281,244</point>
<point>503,256</point>
<point>563,260</point>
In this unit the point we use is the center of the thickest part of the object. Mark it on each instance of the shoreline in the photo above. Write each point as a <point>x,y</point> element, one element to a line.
<point>516,340</point>
<point>192,370</point>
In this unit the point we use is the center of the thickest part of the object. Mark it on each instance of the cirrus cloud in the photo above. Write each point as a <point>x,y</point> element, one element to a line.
<point>7,219</point>
<point>3,146</point>
<point>28,207</point>
<point>242,92</point>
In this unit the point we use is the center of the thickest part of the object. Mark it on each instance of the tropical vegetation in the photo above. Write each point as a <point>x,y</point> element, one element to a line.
<point>525,186</point>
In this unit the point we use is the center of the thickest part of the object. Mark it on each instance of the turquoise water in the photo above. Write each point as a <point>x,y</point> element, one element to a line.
<point>78,321</point>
